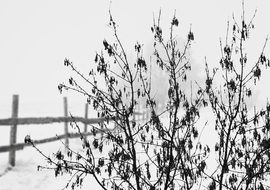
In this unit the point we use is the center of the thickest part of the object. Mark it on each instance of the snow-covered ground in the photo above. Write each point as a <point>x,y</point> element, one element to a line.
<point>24,176</point>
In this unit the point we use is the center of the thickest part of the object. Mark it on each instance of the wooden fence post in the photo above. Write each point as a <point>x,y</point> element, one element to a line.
<point>13,129</point>
<point>66,123</point>
<point>86,117</point>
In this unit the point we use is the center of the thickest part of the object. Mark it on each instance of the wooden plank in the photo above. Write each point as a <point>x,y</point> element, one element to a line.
<point>66,123</point>
<point>47,120</point>
<point>13,129</point>
<point>20,146</point>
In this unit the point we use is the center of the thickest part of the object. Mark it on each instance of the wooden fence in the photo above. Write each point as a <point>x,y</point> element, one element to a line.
<point>14,121</point>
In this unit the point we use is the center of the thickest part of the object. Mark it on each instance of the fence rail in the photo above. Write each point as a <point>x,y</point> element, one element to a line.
<point>14,121</point>
<point>47,120</point>
<point>20,146</point>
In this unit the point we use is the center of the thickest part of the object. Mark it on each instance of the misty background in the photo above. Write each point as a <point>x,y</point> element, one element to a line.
<point>36,36</point>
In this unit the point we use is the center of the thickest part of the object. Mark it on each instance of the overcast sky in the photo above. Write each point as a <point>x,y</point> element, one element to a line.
<point>36,36</point>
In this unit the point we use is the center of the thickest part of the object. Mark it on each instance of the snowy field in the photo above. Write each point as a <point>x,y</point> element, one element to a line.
<point>24,176</point>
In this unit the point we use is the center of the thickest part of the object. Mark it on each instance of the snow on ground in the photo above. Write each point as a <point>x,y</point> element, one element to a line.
<point>25,175</point>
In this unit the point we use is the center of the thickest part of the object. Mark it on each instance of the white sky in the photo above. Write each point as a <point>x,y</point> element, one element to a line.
<point>36,36</point>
